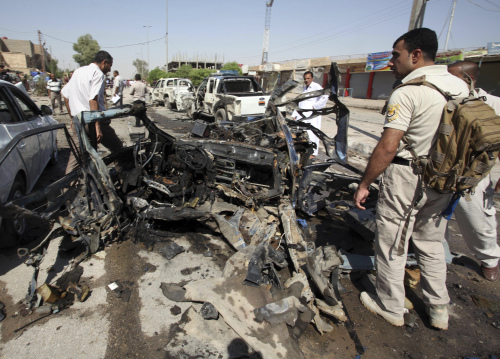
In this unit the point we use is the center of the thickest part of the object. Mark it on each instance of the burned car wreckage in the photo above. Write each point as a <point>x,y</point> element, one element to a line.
<point>245,181</point>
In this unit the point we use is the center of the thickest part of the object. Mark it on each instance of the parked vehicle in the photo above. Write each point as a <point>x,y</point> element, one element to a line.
<point>228,98</point>
<point>22,165</point>
<point>171,92</point>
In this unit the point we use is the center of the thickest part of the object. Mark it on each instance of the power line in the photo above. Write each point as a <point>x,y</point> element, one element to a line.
<point>384,18</point>
<point>492,3</point>
<point>19,32</point>
<point>482,7</point>
<point>341,26</point>
<point>349,31</point>
<point>111,47</point>
<point>297,42</point>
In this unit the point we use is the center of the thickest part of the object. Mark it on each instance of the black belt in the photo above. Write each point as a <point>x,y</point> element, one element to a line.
<point>401,161</point>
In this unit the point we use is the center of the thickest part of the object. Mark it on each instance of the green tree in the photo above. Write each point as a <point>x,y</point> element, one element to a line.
<point>184,71</point>
<point>142,67</point>
<point>54,69</point>
<point>198,75</point>
<point>40,87</point>
<point>156,74</point>
<point>232,66</point>
<point>86,47</point>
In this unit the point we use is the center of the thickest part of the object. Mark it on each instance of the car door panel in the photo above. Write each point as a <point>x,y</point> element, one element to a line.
<point>29,147</point>
<point>210,95</point>
<point>35,119</point>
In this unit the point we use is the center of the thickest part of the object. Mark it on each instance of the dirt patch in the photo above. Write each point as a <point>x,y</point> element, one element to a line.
<point>126,339</point>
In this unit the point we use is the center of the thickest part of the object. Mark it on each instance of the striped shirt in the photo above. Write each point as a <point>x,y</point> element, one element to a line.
<point>54,85</point>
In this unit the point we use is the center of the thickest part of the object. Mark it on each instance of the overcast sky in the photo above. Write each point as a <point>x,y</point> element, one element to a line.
<point>234,29</point>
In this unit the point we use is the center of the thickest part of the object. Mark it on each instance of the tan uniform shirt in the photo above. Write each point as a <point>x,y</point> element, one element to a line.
<point>138,90</point>
<point>417,110</point>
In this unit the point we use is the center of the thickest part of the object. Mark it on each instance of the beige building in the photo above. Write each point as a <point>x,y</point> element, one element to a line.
<point>22,55</point>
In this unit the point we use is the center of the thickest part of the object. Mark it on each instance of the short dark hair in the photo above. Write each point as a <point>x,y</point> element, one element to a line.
<point>308,73</point>
<point>137,77</point>
<point>116,71</point>
<point>469,67</point>
<point>102,56</point>
<point>424,39</point>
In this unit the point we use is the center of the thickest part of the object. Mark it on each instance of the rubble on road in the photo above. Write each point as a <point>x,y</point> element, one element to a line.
<point>243,181</point>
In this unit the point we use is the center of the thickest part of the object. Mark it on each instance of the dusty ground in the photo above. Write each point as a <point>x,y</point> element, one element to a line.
<point>107,326</point>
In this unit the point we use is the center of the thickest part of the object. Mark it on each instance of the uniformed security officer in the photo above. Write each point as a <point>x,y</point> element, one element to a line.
<point>407,208</point>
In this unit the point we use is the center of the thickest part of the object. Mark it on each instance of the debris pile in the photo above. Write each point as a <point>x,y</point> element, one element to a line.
<point>243,181</point>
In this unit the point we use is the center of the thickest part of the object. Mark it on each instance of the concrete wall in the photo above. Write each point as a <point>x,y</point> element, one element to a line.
<point>15,60</point>
<point>24,46</point>
<point>359,84</point>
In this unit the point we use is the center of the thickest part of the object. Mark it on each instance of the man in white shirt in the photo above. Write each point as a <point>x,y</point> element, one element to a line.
<point>138,91</point>
<point>314,103</point>
<point>118,87</point>
<point>476,218</point>
<point>54,88</point>
<point>85,92</point>
<point>406,207</point>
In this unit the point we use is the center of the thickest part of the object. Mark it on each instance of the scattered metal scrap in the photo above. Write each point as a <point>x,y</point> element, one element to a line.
<point>244,181</point>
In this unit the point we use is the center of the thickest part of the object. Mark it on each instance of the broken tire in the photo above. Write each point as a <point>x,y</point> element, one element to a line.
<point>12,231</point>
<point>220,115</point>
<point>167,103</point>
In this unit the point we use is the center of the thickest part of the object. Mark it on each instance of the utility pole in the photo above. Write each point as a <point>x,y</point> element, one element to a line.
<point>417,14</point>
<point>41,50</point>
<point>267,27</point>
<point>166,37</point>
<point>449,27</point>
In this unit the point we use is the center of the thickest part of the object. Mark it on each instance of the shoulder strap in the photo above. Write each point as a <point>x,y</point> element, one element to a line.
<point>416,81</point>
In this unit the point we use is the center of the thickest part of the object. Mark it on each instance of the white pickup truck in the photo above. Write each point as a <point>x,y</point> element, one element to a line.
<point>171,92</point>
<point>228,98</point>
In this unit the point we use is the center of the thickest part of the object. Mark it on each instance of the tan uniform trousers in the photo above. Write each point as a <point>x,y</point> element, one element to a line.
<point>478,224</point>
<point>399,189</point>
<point>110,140</point>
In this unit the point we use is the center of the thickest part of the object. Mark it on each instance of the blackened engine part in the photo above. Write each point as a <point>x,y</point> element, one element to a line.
<point>338,208</point>
<point>173,214</point>
<point>194,157</point>
<point>362,222</point>
<point>132,178</point>
<point>240,157</point>
<point>317,189</point>
<point>263,256</point>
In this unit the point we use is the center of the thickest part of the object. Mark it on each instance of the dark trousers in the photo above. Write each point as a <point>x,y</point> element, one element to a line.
<point>138,119</point>
<point>110,140</point>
